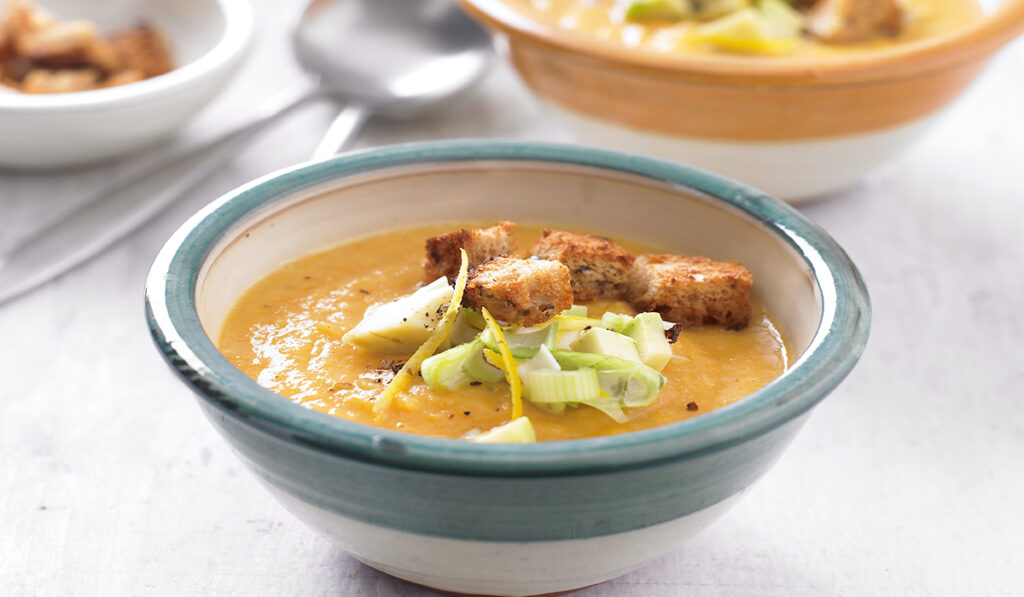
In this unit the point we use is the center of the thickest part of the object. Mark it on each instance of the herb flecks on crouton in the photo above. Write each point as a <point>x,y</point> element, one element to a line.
<point>691,290</point>
<point>520,291</point>
<point>597,266</point>
<point>480,244</point>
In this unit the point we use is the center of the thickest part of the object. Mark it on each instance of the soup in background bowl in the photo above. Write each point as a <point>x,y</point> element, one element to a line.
<point>505,519</point>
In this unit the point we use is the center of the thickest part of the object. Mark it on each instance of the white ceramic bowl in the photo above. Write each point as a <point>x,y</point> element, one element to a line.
<point>505,519</point>
<point>208,39</point>
<point>797,127</point>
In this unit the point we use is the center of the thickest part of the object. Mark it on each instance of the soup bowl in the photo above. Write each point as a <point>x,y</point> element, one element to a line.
<point>208,40</point>
<point>797,127</point>
<point>505,519</point>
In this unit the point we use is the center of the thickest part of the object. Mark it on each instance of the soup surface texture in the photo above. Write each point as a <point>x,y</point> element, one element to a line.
<point>606,20</point>
<point>285,332</point>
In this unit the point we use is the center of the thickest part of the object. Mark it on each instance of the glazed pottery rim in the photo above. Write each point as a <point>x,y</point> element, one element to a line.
<point>971,41</point>
<point>174,323</point>
<point>233,39</point>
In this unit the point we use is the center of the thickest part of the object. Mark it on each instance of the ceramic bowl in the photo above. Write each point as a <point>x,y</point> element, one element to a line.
<point>796,127</point>
<point>208,39</point>
<point>505,519</point>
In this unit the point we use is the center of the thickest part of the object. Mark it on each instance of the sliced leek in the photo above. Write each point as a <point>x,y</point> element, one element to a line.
<point>608,343</point>
<point>403,324</point>
<point>657,10</point>
<point>759,31</point>
<point>615,322</point>
<point>445,370</point>
<point>634,387</point>
<point>517,431</point>
<point>601,362</point>
<point>648,331</point>
<point>543,361</point>
<point>405,375</point>
<point>629,383</point>
<point>477,367</point>
<point>524,342</point>
<point>547,386</point>
<point>462,330</point>
<point>609,407</point>
<point>575,311</point>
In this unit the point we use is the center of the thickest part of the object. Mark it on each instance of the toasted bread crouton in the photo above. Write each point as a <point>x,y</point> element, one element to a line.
<point>60,81</point>
<point>691,290</point>
<point>39,54</point>
<point>481,244</point>
<point>520,291</point>
<point>23,17</point>
<point>6,41</point>
<point>60,45</point>
<point>597,265</point>
<point>144,49</point>
<point>123,78</point>
<point>844,21</point>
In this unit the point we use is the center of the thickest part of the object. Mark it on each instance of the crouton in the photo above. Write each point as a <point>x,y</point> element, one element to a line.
<point>23,17</point>
<point>143,49</point>
<point>60,45</point>
<point>844,21</point>
<point>520,291</point>
<point>123,78</point>
<point>691,290</point>
<point>597,265</point>
<point>481,244</point>
<point>39,54</point>
<point>60,81</point>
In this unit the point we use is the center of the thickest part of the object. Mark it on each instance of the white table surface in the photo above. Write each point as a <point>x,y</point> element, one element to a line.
<point>908,480</point>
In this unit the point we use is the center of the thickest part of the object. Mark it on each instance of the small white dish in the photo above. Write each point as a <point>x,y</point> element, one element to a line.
<point>208,39</point>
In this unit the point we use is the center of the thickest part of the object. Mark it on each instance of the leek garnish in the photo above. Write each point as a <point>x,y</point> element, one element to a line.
<point>404,376</point>
<point>576,311</point>
<point>444,369</point>
<point>477,366</point>
<point>547,386</point>
<point>509,364</point>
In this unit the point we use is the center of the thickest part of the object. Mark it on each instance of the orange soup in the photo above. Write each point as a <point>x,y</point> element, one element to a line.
<point>722,30</point>
<point>286,333</point>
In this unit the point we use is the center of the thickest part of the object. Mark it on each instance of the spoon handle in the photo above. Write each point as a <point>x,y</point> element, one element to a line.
<point>344,128</point>
<point>115,213</point>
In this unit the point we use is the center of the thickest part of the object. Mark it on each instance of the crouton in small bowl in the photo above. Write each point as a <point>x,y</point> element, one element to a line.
<point>467,516</point>
<point>83,82</point>
<point>800,99</point>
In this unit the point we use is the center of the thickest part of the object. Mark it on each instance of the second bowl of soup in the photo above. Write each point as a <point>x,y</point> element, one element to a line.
<point>799,99</point>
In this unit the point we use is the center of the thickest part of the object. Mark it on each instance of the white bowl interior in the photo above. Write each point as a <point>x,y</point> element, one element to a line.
<point>618,205</point>
<point>193,27</point>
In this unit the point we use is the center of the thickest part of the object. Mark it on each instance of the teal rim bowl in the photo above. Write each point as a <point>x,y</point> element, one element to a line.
<point>173,318</point>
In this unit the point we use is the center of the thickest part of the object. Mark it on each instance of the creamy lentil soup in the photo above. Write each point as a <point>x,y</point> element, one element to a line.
<point>286,333</point>
<point>694,34</point>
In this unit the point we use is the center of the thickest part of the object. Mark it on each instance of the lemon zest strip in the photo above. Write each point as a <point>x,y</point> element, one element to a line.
<point>509,364</point>
<point>404,377</point>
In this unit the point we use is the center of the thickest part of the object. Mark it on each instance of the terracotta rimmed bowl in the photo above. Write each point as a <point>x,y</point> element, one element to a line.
<point>208,38</point>
<point>505,519</point>
<point>796,127</point>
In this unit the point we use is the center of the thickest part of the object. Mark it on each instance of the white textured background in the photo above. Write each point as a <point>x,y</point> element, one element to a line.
<point>909,480</point>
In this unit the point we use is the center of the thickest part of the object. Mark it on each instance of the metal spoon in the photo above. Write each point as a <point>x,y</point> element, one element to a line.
<point>389,57</point>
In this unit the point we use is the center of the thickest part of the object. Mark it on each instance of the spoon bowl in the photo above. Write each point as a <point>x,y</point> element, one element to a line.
<point>393,56</point>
